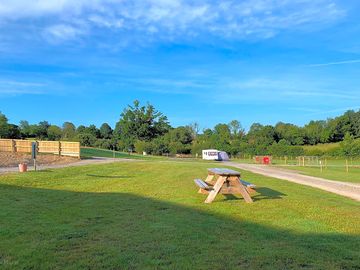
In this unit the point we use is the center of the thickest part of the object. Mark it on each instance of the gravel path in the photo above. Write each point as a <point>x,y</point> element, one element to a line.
<point>94,160</point>
<point>351,190</point>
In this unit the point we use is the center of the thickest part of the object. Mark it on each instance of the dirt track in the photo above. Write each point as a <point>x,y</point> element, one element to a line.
<point>346,189</point>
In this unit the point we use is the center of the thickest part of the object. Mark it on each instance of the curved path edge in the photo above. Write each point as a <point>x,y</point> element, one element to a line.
<point>350,190</point>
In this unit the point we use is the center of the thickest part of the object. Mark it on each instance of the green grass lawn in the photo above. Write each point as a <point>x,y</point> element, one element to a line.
<point>335,169</point>
<point>148,215</point>
<point>331,173</point>
<point>97,152</point>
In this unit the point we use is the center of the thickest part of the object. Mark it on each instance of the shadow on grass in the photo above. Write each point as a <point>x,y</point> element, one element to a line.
<point>109,176</point>
<point>55,229</point>
<point>264,193</point>
<point>267,194</point>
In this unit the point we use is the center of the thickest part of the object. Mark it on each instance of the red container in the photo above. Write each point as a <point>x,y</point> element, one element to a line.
<point>266,160</point>
<point>22,167</point>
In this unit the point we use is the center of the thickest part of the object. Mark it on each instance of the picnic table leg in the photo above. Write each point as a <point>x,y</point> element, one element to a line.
<point>219,183</point>
<point>209,178</point>
<point>242,189</point>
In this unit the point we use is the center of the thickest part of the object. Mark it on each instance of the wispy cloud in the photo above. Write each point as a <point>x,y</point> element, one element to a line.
<point>169,19</point>
<point>347,62</point>
<point>337,110</point>
<point>62,32</point>
<point>14,87</point>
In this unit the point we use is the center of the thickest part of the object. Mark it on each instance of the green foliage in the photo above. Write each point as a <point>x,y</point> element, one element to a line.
<point>140,146</point>
<point>8,131</point>
<point>106,131</point>
<point>103,143</point>
<point>87,139</point>
<point>68,131</point>
<point>140,123</point>
<point>54,133</point>
<point>143,127</point>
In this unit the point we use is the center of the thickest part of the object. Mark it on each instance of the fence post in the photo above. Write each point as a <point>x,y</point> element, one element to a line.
<point>347,166</point>
<point>13,147</point>
<point>79,151</point>
<point>59,148</point>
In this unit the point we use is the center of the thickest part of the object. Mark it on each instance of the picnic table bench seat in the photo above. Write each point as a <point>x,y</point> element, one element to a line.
<point>247,184</point>
<point>202,184</point>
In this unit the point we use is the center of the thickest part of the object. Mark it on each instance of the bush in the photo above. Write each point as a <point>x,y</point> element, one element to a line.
<point>87,139</point>
<point>104,143</point>
<point>140,147</point>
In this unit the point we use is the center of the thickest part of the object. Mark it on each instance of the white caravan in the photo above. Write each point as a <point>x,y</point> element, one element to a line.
<point>213,154</point>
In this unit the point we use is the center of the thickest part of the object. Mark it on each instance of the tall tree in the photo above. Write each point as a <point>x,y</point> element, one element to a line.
<point>4,126</point>
<point>68,130</point>
<point>140,123</point>
<point>106,131</point>
<point>54,133</point>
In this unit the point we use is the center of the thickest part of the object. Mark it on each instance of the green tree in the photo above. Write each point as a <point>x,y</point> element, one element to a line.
<point>4,126</point>
<point>140,123</point>
<point>106,131</point>
<point>54,133</point>
<point>347,145</point>
<point>68,130</point>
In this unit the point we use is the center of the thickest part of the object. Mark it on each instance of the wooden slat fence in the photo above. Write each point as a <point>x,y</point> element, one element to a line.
<point>50,147</point>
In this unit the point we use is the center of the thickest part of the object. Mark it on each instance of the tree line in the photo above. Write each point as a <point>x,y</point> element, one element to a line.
<point>142,128</point>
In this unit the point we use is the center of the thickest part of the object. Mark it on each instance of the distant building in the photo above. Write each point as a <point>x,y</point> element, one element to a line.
<point>213,154</point>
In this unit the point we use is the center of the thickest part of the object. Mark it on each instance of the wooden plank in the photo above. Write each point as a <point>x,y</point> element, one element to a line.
<point>242,189</point>
<point>223,172</point>
<point>209,179</point>
<point>52,147</point>
<point>221,180</point>
<point>202,184</point>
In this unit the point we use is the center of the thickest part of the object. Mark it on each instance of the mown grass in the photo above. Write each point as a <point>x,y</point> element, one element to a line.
<point>337,173</point>
<point>148,215</point>
<point>87,152</point>
<point>332,168</point>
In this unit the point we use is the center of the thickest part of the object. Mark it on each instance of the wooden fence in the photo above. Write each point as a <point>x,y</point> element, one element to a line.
<point>50,147</point>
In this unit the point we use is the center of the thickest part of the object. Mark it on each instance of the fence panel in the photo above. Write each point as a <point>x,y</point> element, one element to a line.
<point>70,149</point>
<point>50,147</point>
<point>23,146</point>
<point>7,145</point>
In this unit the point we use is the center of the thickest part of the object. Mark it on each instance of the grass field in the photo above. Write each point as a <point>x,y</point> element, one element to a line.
<point>331,173</point>
<point>322,147</point>
<point>335,169</point>
<point>97,152</point>
<point>148,215</point>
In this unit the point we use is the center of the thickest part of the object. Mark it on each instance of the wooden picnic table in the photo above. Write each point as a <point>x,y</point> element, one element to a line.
<point>224,181</point>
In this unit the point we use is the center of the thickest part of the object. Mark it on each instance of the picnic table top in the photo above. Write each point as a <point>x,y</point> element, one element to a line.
<point>223,172</point>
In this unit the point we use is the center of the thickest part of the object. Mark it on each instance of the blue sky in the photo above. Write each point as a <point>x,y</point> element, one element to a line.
<point>196,61</point>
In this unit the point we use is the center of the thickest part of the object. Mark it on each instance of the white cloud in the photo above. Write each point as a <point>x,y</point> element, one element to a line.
<point>355,61</point>
<point>61,32</point>
<point>175,18</point>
